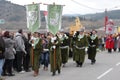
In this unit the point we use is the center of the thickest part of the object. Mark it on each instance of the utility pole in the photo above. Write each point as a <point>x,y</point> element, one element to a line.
<point>105,19</point>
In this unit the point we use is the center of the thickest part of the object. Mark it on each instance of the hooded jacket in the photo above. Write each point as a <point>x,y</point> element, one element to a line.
<point>20,46</point>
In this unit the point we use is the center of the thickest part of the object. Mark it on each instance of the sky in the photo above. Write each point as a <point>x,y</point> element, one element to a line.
<point>76,6</point>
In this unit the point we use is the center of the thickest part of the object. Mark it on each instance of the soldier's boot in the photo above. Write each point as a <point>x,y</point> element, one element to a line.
<point>93,62</point>
<point>81,64</point>
<point>36,73</point>
<point>77,64</point>
<point>63,65</point>
<point>53,74</point>
<point>59,71</point>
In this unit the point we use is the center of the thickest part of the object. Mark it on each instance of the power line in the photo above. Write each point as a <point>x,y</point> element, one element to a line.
<point>85,5</point>
<point>114,7</point>
<point>80,4</point>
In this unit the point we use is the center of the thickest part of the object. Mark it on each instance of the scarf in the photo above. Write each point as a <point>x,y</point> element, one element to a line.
<point>93,37</point>
<point>80,37</point>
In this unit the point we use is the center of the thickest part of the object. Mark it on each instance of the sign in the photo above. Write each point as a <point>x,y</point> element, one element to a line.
<point>2,21</point>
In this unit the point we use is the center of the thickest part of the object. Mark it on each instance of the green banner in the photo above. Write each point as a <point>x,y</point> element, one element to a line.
<point>33,17</point>
<point>54,18</point>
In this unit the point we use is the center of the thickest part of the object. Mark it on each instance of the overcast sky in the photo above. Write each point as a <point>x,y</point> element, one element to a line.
<point>77,6</point>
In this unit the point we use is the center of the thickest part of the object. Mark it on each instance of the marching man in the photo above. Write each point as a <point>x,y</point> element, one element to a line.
<point>93,45</point>
<point>80,45</point>
<point>55,54</point>
<point>35,53</point>
<point>64,48</point>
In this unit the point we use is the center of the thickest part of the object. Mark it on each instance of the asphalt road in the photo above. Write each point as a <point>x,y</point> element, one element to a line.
<point>107,67</point>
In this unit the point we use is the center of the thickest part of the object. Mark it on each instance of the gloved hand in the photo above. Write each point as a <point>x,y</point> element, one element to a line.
<point>86,49</point>
<point>25,52</point>
<point>53,39</point>
<point>54,47</point>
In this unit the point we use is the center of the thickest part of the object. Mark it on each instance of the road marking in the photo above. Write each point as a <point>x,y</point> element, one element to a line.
<point>118,64</point>
<point>104,73</point>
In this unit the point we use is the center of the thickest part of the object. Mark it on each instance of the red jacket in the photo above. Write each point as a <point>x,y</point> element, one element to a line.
<point>109,43</point>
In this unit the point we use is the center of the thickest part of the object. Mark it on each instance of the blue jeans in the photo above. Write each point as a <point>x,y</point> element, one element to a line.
<point>45,59</point>
<point>1,65</point>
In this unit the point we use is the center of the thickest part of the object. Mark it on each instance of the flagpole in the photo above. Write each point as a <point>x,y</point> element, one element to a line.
<point>32,46</point>
<point>54,58</point>
<point>106,19</point>
<point>33,3</point>
<point>32,56</point>
<point>54,51</point>
<point>52,4</point>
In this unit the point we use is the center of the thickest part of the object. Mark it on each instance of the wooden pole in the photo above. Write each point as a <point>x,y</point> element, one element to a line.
<point>33,50</point>
<point>32,3</point>
<point>32,56</point>
<point>54,58</point>
<point>52,4</point>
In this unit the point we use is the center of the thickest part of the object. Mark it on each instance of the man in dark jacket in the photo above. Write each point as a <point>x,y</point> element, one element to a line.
<point>20,50</point>
<point>80,45</point>
<point>93,45</point>
<point>28,46</point>
<point>2,50</point>
<point>64,48</point>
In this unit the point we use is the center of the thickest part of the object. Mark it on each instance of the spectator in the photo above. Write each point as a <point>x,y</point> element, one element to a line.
<point>9,54</point>
<point>2,49</point>
<point>20,50</point>
<point>28,46</point>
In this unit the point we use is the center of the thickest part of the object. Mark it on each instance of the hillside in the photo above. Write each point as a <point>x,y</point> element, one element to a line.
<point>15,17</point>
<point>114,14</point>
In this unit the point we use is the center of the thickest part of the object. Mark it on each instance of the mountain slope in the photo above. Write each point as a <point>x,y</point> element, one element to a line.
<point>15,17</point>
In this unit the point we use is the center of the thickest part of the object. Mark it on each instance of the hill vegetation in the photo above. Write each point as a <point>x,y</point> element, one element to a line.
<point>15,17</point>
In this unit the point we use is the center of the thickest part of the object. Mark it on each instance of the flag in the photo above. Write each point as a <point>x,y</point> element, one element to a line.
<point>33,17</point>
<point>45,14</point>
<point>54,18</point>
<point>118,29</point>
<point>110,29</point>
